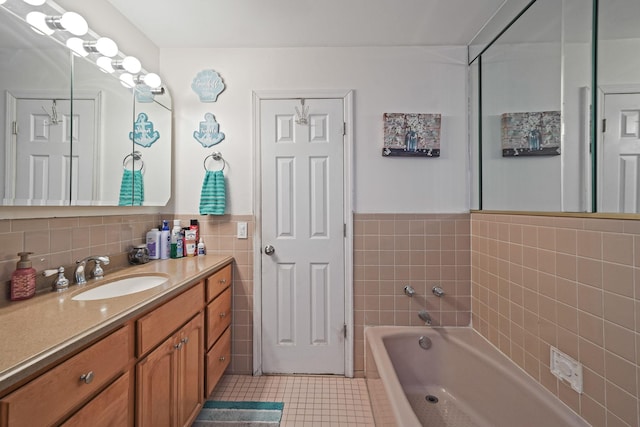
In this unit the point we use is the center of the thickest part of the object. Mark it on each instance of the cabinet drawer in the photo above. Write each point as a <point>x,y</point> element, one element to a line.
<point>109,408</point>
<point>55,393</point>
<point>155,327</point>
<point>218,282</point>
<point>218,359</point>
<point>218,316</point>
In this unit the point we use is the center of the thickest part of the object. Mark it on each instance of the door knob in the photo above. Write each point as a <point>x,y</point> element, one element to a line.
<point>269,250</point>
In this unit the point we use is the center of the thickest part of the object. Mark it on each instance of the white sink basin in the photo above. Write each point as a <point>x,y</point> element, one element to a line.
<point>121,287</point>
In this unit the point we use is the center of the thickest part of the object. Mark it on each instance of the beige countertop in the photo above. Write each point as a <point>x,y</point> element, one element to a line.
<point>37,332</point>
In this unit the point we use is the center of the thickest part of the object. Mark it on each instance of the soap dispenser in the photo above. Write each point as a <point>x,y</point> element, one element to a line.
<point>23,280</point>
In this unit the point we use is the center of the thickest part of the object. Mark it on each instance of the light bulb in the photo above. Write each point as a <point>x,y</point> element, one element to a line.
<point>152,80</point>
<point>107,47</point>
<point>38,21</point>
<point>74,23</point>
<point>34,2</point>
<point>105,64</point>
<point>131,64</point>
<point>77,46</point>
<point>126,80</point>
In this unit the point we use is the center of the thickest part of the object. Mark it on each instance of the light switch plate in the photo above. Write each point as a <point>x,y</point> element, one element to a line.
<point>242,230</point>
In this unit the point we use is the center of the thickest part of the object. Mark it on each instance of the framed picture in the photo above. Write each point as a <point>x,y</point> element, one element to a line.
<point>531,134</point>
<point>411,135</point>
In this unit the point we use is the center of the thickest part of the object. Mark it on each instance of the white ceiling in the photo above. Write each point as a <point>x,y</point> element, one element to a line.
<point>306,23</point>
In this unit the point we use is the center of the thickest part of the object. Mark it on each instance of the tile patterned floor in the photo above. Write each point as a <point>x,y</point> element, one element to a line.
<point>309,401</point>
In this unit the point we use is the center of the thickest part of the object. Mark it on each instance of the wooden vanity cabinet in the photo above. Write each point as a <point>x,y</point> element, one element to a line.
<point>153,371</point>
<point>218,349</point>
<point>170,379</point>
<point>48,398</point>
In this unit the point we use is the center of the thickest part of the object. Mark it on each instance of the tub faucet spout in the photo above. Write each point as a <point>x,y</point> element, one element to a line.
<point>425,316</point>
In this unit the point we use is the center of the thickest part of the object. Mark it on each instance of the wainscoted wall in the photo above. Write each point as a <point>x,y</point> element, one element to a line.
<point>572,283</point>
<point>61,241</point>
<point>421,250</point>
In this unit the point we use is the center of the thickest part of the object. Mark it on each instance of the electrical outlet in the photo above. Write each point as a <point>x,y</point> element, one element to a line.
<point>242,230</point>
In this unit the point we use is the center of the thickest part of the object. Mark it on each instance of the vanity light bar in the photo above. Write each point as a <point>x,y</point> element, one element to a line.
<point>72,30</point>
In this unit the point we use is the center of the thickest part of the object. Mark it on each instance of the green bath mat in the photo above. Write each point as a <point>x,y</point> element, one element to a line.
<point>218,413</point>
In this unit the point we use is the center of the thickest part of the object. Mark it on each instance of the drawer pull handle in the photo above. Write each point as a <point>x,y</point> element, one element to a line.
<point>221,358</point>
<point>87,378</point>
<point>223,281</point>
<point>223,314</point>
<point>184,340</point>
<point>178,346</point>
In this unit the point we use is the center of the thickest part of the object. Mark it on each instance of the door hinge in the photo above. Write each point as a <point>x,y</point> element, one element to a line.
<point>14,127</point>
<point>344,128</point>
<point>604,125</point>
<point>344,230</point>
<point>344,330</point>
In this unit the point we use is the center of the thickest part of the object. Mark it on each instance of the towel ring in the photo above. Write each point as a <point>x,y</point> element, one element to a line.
<point>215,156</point>
<point>133,157</point>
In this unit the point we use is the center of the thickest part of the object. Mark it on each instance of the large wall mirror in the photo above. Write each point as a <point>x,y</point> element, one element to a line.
<point>72,133</point>
<point>618,107</point>
<point>531,86</point>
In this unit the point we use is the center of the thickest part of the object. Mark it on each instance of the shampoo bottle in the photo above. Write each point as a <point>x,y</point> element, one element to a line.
<point>176,240</point>
<point>165,240</point>
<point>23,279</point>
<point>153,243</point>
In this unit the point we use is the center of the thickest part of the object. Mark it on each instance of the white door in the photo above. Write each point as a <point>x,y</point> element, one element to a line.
<point>620,191</point>
<point>47,171</point>
<point>303,290</point>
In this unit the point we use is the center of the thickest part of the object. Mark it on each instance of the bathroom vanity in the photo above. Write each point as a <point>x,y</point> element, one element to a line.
<point>142,359</point>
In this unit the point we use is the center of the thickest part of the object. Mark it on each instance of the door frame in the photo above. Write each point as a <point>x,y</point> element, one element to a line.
<point>603,90</point>
<point>347,97</point>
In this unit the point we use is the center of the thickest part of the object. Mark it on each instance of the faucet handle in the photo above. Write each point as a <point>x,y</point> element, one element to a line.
<point>61,283</point>
<point>98,272</point>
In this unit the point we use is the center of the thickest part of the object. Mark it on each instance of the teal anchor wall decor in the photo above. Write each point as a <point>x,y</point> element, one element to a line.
<point>209,133</point>
<point>143,132</point>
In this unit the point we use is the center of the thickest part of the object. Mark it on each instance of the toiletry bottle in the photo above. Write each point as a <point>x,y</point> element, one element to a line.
<point>194,226</point>
<point>176,240</point>
<point>190,243</point>
<point>201,248</point>
<point>23,279</point>
<point>153,243</point>
<point>165,240</point>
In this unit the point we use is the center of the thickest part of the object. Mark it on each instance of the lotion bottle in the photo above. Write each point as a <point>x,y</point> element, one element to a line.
<point>165,240</point>
<point>23,279</point>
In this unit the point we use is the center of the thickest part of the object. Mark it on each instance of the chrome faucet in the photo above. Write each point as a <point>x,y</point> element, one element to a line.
<point>96,273</point>
<point>425,317</point>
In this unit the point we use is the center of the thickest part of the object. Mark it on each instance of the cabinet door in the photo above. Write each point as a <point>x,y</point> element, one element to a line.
<point>191,370</point>
<point>156,388</point>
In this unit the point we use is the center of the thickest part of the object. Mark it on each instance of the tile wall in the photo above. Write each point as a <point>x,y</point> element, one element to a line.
<point>61,241</point>
<point>421,250</point>
<point>572,283</point>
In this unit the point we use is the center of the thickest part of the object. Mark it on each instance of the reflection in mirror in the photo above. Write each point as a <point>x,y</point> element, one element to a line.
<point>86,166</point>
<point>534,111</point>
<point>618,107</point>
<point>34,116</point>
<point>152,138</point>
<point>103,112</point>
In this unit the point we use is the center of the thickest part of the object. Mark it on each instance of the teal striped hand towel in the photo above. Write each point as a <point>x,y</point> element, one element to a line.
<point>131,188</point>
<point>213,196</point>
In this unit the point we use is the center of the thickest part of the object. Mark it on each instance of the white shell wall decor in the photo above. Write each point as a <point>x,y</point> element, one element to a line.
<point>208,133</point>
<point>207,84</point>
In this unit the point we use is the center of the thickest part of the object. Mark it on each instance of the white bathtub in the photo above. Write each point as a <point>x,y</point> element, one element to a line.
<point>476,384</point>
